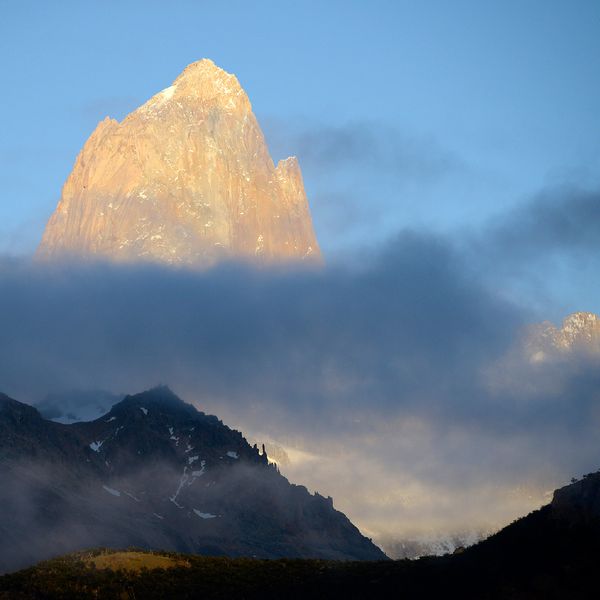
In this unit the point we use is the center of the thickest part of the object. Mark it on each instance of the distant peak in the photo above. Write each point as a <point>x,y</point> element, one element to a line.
<point>581,319</point>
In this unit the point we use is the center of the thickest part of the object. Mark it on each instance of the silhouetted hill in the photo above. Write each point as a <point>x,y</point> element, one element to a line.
<point>550,554</point>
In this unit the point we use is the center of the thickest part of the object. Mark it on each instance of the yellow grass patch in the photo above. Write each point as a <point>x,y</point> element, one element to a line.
<point>135,561</point>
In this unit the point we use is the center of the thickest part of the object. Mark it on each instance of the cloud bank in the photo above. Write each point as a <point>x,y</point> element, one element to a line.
<point>397,385</point>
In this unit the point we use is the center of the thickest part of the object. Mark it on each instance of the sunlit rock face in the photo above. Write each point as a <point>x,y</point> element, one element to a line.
<point>580,332</point>
<point>186,179</point>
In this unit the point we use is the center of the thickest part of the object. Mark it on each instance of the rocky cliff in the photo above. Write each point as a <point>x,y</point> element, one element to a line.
<point>186,179</point>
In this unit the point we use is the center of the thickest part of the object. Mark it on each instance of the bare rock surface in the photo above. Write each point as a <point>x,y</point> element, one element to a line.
<point>185,179</point>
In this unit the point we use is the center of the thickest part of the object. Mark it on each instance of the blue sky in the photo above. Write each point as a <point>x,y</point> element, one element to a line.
<point>440,115</point>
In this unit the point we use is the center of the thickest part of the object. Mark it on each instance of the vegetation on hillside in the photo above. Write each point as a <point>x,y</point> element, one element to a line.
<point>539,556</point>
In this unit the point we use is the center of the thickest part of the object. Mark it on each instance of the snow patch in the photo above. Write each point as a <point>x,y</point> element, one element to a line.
<point>144,410</point>
<point>204,515</point>
<point>232,454</point>
<point>182,481</point>
<point>111,491</point>
<point>131,496</point>
<point>201,471</point>
<point>167,93</point>
<point>95,446</point>
<point>111,419</point>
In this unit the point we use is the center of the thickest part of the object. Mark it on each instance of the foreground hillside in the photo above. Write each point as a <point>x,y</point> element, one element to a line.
<point>155,473</point>
<point>552,553</point>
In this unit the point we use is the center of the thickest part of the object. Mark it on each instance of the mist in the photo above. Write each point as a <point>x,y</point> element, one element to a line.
<point>396,383</point>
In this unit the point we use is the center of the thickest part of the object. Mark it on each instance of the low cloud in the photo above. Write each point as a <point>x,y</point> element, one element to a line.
<point>545,251</point>
<point>558,224</point>
<point>371,145</point>
<point>397,384</point>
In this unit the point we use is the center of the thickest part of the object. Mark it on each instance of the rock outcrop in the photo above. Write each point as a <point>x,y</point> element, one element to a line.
<point>185,179</point>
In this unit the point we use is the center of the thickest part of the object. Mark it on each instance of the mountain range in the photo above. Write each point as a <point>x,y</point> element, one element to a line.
<point>155,473</point>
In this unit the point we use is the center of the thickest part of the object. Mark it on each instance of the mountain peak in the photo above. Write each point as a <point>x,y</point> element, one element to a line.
<point>204,70</point>
<point>578,328</point>
<point>159,399</point>
<point>185,179</point>
<point>580,321</point>
<point>580,332</point>
<point>204,82</point>
<point>161,393</point>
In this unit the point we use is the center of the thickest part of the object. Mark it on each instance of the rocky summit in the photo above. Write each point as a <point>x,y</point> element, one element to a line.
<point>579,333</point>
<point>155,473</point>
<point>185,179</point>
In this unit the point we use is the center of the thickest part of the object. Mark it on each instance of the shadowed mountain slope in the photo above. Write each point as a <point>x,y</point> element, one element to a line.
<point>154,473</point>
